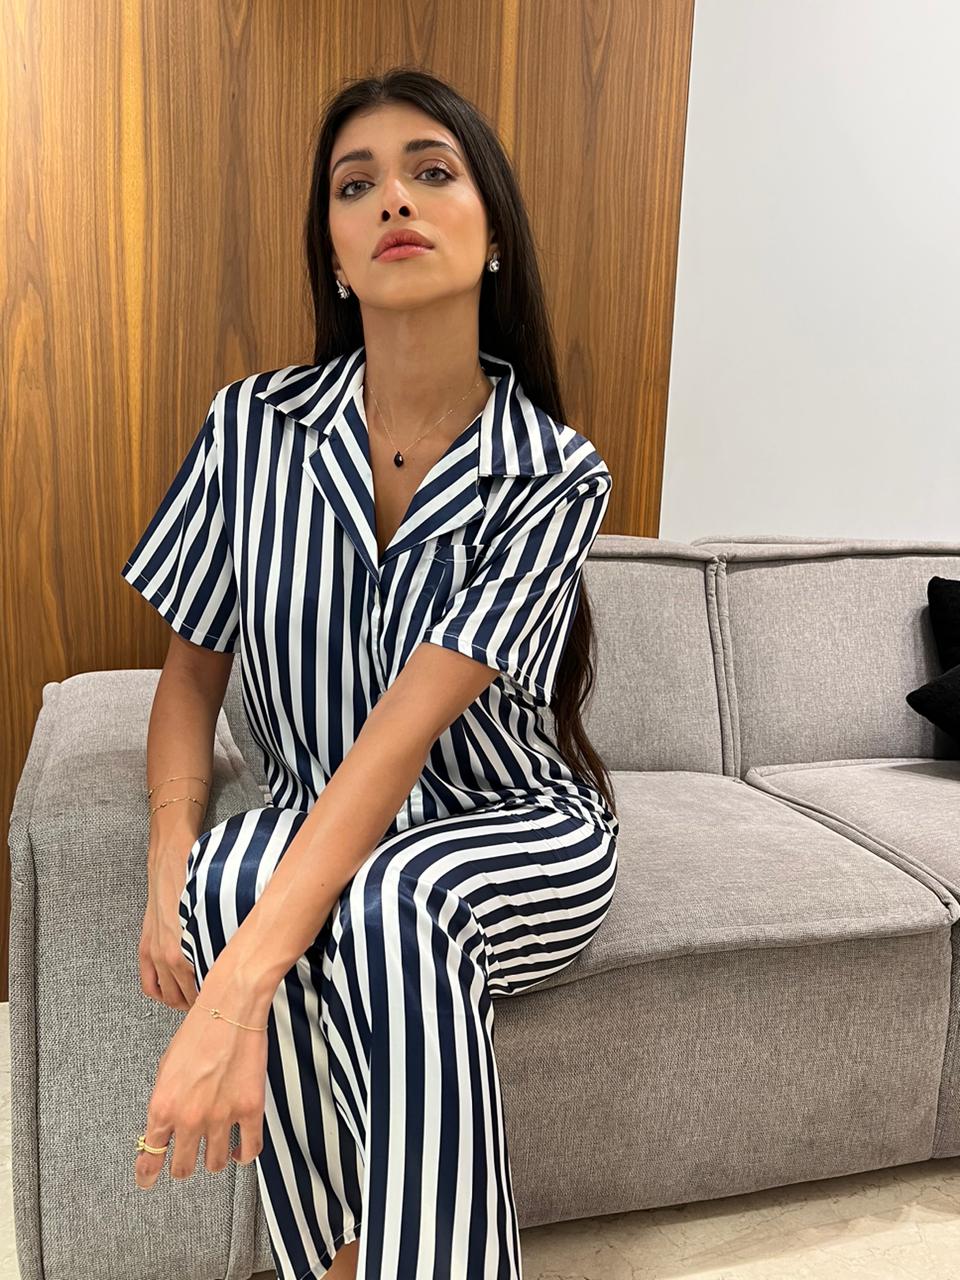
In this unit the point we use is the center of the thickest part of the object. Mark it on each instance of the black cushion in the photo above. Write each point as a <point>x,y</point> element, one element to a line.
<point>939,701</point>
<point>943,596</point>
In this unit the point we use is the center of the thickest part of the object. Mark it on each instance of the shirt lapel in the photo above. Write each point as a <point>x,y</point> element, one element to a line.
<point>512,437</point>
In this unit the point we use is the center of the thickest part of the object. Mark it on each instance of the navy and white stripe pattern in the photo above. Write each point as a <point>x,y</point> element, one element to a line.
<point>383,1101</point>
<point>266,543</point>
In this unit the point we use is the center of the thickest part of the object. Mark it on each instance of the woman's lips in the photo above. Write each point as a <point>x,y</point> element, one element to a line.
<point>402,251</point>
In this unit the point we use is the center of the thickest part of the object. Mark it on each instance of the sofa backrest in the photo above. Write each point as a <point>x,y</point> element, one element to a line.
<point>724,653</point>
<point>824,638</point>
<point>658,698</point>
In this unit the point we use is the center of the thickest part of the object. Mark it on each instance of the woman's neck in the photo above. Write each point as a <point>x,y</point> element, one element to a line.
<point>414,393</point>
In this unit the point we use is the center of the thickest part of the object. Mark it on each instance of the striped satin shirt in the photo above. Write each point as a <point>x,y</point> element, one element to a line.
<point>265,543</point>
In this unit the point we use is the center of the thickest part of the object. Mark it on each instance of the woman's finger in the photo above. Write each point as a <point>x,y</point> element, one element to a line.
<point>187,981</point>
<point>218,1148</point>
<point>148,1165</point>
<point>177,981</point>
<point>149,982</point>
<point>251,1140</point>
<point>183,1162</point>
<point>170,992</point>
<point>170,987</point>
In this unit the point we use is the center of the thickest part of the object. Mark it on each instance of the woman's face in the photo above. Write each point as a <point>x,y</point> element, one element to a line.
<point>428,189</point>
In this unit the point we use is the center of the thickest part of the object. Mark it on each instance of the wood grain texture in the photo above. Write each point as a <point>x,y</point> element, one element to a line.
<point>153,184</point>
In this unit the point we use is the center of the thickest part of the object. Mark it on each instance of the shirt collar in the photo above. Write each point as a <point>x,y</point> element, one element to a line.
<point>516,438</point>
<point>512,438</point>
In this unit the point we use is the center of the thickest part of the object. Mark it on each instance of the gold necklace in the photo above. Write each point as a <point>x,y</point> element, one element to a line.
<point>398,456</point>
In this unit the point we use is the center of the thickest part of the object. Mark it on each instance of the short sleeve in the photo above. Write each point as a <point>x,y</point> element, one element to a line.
<point>516,612</point>
<point>182,563</point>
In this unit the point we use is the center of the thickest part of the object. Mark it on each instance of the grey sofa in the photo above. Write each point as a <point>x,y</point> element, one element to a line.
<point>772,999</point>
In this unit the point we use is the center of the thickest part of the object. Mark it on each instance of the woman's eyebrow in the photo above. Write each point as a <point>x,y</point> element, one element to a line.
<point>415,144</point>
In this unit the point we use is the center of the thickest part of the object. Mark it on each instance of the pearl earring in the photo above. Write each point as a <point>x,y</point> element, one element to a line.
<point>494,263</point>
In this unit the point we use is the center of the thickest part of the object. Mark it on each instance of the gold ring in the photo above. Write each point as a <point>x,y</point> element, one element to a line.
<point>154,1151</point>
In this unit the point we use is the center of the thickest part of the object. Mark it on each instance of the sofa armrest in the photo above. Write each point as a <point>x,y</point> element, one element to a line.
<point>84,1040</point>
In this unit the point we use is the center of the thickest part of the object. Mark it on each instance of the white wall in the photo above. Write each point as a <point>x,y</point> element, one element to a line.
<point>815,374</point>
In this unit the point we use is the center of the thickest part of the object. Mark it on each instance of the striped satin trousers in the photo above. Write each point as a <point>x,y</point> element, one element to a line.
<point>382,1099</point>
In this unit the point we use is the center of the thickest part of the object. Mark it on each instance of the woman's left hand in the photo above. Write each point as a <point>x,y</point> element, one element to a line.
<point>211,1076</point>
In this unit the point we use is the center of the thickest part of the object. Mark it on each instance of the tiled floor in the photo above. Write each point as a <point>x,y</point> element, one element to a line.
<point>896,1224</point>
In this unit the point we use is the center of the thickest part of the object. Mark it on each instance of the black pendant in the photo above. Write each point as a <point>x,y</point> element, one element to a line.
<point>398,459</point>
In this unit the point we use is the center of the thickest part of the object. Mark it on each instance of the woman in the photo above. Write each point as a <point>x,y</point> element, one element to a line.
<point>393,538</point>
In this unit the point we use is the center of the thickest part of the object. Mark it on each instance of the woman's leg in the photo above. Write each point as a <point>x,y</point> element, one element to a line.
<point>441,918</point>
<point>310,1169</point>
<point>383,1099</point>
<point>345,1263</point>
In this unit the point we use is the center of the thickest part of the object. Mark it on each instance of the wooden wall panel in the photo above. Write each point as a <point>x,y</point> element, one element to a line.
<point>153,185</point>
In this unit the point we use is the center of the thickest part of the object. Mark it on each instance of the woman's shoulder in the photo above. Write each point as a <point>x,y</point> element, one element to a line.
<point>582,467</point>
<point>264,383</point>
<point>245,404</point>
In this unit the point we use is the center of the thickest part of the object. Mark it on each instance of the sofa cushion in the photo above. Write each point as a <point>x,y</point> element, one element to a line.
<point>824,638</point>
<point>709,863</point>
<point>655,701</point>
<point>907,810</point>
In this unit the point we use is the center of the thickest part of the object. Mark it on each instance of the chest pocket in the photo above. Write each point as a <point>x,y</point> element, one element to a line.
<point>450,567</point>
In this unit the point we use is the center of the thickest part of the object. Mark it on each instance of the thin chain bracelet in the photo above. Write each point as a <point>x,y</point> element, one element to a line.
<point>164,803</point>
<point>217,1014</point>
<point>178,778</point>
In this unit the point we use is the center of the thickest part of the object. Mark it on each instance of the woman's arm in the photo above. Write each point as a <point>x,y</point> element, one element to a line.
<point>344,826</point>
<point>180,738</point>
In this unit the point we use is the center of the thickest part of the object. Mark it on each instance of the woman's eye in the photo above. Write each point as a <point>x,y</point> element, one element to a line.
<point>433,168</point>
<point>437,168</point>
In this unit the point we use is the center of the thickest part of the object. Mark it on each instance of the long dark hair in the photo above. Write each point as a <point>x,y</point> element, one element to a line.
<point>513,318</point>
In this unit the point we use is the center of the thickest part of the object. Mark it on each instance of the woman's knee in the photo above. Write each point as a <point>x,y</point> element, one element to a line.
<point>229,866</point>
<point>384,899</point>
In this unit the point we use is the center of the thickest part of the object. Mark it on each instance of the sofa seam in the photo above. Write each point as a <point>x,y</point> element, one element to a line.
<point>900,860</point>
<point>722,602</point>
<point>762,946</point>
<point>796,766</point>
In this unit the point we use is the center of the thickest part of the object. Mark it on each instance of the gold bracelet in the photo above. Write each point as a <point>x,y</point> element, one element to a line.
<point>178,778</point>
<point>174,800</point>
<point>217,1014</point>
